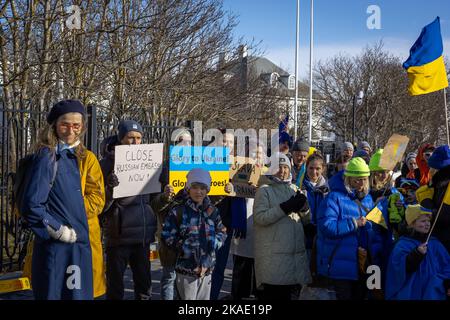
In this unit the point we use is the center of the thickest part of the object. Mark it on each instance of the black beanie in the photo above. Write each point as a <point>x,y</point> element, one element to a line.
<point>126,126</point>
<point>63,107</point>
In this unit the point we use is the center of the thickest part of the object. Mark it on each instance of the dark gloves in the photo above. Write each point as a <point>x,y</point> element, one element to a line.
<point>112,180</point>
<point>294,204</point>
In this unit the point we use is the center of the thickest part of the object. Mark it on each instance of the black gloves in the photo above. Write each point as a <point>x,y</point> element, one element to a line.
<point>294,204</point>
<point>112,180</point>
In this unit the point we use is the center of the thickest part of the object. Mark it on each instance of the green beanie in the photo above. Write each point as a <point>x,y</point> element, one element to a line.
<point>374,164</point>
<point>357,167</point>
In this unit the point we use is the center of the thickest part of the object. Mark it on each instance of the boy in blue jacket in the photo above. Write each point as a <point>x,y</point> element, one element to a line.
<point>195,230</point>
<point>418,270</point>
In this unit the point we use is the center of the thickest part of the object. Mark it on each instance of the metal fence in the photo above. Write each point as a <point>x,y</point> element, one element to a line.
<point>19,130</point>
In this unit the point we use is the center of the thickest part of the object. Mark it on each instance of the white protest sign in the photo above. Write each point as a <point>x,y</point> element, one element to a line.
<point>138,167</point>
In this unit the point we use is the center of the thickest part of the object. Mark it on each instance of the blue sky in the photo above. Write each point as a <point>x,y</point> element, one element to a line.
<point>340,26</point>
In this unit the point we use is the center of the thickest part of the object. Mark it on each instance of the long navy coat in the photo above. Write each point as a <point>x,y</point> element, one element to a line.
<point>61,270</point>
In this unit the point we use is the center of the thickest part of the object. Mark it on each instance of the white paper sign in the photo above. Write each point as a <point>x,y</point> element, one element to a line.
<point>138,168</point>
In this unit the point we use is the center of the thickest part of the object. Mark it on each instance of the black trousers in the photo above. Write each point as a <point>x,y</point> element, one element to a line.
<point>243,283</point>
<point>117,259</point>
<point>350,289</point>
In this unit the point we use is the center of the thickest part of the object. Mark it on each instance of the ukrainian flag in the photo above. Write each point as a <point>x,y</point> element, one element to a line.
<point>425,65</point>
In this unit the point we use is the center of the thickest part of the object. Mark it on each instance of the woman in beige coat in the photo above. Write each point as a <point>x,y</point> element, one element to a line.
<point>281,261</point>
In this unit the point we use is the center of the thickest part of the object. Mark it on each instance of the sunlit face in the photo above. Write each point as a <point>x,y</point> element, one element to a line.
<point>228,141</point>
<point>198,192</point>
<point>381,177</point>
<point>357,184</point>
<point>299,157</point>
<point>284,147</point>
<point>283,172</point>
<point>314,170</point>
<point>69,127</point>
<point>132,137</point>
<point>347,153</point>
<point>412,164</point>
<point>422,224</point>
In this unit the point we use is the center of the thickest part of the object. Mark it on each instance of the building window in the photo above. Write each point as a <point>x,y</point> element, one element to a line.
<point>291,82</point>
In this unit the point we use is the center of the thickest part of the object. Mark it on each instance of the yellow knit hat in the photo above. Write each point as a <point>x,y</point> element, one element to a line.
<point>414,211</point>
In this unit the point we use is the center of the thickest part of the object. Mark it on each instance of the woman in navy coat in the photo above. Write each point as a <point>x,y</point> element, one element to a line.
<point>54,208</point>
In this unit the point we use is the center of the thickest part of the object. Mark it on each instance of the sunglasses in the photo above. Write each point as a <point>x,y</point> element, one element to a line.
<point>427,154</point>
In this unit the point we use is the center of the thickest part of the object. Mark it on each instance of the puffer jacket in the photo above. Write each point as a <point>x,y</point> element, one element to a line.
<point>127,220</point>
<point>279,244</point>
<point>338,236</point>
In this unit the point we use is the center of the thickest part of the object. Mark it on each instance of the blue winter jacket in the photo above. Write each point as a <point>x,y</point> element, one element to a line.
<point>381,240</point>
<point>427,282</point>
<point>315,195</point>
<point>338,236</point>
<point>61,270</point>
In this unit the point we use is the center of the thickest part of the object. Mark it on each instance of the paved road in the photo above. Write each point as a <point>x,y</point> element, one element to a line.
<point>156,276</point>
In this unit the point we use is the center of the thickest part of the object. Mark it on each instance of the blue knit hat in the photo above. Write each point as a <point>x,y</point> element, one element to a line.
<point>440,158</point>
<point>126,126</point>
<point>65,106</point>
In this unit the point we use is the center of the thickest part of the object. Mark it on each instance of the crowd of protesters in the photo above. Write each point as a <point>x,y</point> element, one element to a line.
<point>305,227</point>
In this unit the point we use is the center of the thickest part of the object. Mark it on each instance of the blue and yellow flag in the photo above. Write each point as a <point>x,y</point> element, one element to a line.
<point>425,65</point>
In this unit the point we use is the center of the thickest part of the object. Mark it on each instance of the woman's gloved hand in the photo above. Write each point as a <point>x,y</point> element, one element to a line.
<point>294,204</point>
<point>64,234</point>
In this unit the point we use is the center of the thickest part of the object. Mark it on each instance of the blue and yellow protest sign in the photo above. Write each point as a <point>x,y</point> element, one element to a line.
<point>216,160</point>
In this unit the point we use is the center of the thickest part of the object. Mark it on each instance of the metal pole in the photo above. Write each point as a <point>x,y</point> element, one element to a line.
<point>446,116</point>
<point>296,71</point>
<point>311,51</point>
<point>353,131</point>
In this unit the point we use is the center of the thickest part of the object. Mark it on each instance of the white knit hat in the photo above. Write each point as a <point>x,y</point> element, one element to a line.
<point>280,159</point>
<point>198,175</point>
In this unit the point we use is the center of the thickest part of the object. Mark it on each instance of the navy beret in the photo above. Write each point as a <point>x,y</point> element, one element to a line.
<point>65,106</point>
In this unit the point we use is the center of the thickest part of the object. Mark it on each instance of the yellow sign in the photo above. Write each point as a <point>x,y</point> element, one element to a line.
<point>393,151</point>
<point>14,285</point>
<point>219,179</point>
<point>375,215</point>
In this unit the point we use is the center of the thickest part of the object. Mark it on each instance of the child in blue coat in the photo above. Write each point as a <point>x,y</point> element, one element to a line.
<point>418,270</point>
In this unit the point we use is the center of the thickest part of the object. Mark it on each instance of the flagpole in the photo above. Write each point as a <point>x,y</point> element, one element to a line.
<point>311,51</point>
<point>446,115</point>
<point>297,18</point>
